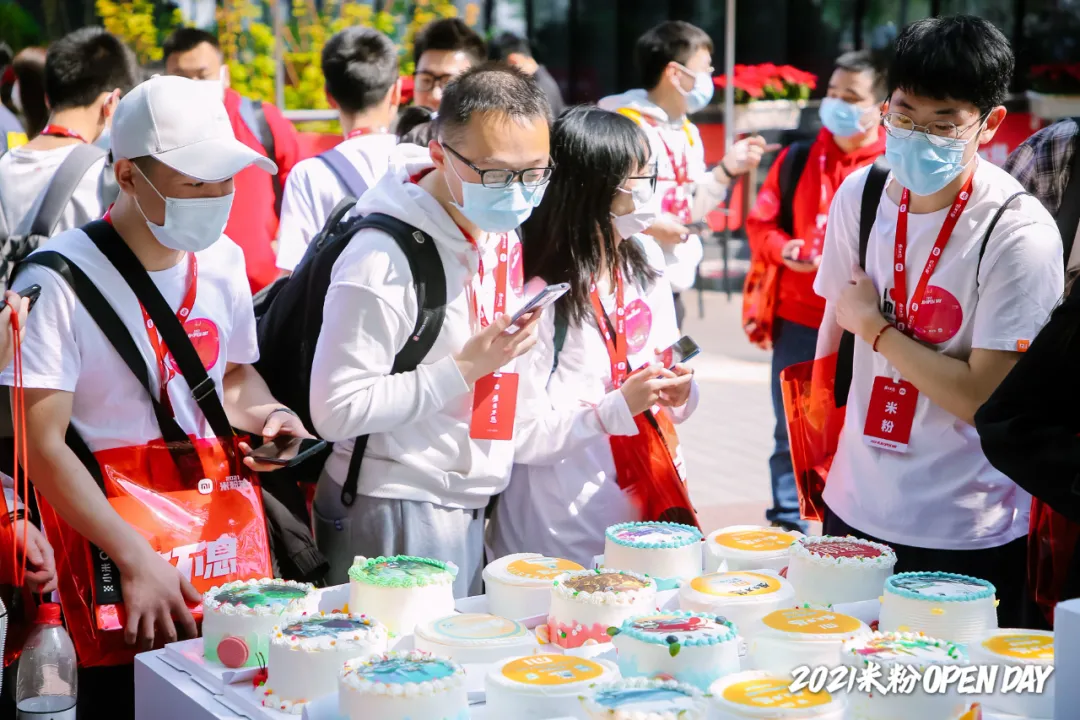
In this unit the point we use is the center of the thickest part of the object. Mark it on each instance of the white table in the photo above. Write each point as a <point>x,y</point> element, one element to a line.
<point>164,693</point>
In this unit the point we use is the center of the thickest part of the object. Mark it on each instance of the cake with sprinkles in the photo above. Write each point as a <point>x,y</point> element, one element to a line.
<point>238,617</point>
<point>585,603</point>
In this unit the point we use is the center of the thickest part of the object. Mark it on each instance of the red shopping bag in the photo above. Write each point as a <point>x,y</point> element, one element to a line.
<point>814,424</point>
<point>1052,541</point>
<point>760,294</point>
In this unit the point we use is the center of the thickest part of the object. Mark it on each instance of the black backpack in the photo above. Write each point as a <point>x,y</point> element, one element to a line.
<point>289,313</point>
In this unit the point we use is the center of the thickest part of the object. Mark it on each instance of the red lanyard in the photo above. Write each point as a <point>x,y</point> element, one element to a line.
<point>182,314</point>
<point>616,346</point>
<point>500,280</point>
<point>682,175</point>
<point>826,189</point>
<point>357,132</point>
<point>903,310</point>
<point>59,131</point>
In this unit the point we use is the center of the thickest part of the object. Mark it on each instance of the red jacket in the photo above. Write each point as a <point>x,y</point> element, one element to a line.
<point>797,300</point>
<point>253,222</point>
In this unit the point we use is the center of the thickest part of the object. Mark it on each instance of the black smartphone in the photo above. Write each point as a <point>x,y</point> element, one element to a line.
<point>287,450</point>
<point>33,292</point>
<point>680,351</point>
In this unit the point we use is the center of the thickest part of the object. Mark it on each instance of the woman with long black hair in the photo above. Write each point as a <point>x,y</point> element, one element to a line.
<point>617,316</point>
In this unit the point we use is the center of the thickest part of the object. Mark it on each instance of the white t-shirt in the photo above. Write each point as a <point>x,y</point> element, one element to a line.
<point>24,175</point>
<point>313,189</point>
<point>65,350</point>
<point>943,493</point>
<point>563,491</point>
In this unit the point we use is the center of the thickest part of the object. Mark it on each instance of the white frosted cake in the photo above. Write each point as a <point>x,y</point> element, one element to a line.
<point>540,687</point>
<point>238,618</point>
<point>401,591</point>
<point>742,597</point>
<point>519,586</point>
<point>306,656</point>
<point>403,686</point>
<point>585,603</point>
<point>756,695</point>
<point>917,651</point>
<point>748,547</point>
<point>475,638</point>
<point>1011,648</point>
<point>942,605</point>
<point>645,699</point>
<point>831,570</point>
<point>691,648</point>
<point>669,553</point>
<point>790,638</point>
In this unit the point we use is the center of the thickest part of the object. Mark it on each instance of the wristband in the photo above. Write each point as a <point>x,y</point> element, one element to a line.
<point>280,409</point>
<point>877,337</point>
<point>727,172</point>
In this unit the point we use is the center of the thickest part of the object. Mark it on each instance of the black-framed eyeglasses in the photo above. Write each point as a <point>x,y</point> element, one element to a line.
<point>651,178</point>
<point>501,178</point>
<point>426,82</point>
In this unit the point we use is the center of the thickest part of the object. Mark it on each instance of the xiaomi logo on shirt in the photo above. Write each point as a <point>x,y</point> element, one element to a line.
<point>1022,345</point>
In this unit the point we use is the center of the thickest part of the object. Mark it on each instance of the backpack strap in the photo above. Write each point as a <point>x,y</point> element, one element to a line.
<point>349,175</point>
<point>253,114</point>
<point>1068,214</point>
<point>990,229</point>
<point>60,189</point>
<point>791,170</point>
<point>429,280</point>
<point>871,198</point>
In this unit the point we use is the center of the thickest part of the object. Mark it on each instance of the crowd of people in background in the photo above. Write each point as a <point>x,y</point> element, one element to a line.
<point>164,248</point>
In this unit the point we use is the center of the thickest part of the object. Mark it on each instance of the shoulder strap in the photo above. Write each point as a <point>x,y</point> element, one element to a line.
<point>562,325</point>
<point>1068,214</point>
<point>62,186</point>
<point>254,116</point>
<point>354,180</point>
<point>791,170</point>
<point>871,198</point>
<point>203,388</point>
<point>634,115</point>
<point>990,230</point>
<point>429,279</point>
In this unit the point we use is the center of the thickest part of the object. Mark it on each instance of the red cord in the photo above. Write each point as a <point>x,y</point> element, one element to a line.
<point>18,405</point>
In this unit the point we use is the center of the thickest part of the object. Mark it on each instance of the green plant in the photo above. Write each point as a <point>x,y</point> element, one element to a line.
<point>140,23</point>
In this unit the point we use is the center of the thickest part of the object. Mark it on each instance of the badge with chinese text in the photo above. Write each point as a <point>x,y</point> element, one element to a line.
<point>890,415</point>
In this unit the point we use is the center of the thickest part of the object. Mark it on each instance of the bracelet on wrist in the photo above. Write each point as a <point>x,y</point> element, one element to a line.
<point>877,338</point>
<point>280,409</point>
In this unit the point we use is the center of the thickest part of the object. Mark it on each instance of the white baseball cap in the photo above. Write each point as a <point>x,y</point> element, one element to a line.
<point>182,123</point>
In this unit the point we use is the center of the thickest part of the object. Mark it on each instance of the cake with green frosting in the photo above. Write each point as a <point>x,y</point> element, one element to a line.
<point>402,591</point>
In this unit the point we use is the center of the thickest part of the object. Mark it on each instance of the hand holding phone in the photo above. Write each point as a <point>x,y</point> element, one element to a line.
<point>286,450</point>
<point>541,300</point>
<point>678,352</point>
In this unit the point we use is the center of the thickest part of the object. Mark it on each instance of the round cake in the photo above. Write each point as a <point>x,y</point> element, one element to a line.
<point>794,637</point>
<point>401,591</point>
<point>585,603</point>
<point>942,605</point>
<point>757,695</point>
<point>306,655</point>
<point>540,687</point>
<point>691,648</point>
<point>475,638</point>
<point>667,552</point>
<point>917,651</point>
<point>1005,649</point>
<point>742,597</point>
<point>644,699</point>
<point>831,570</point>
<point>398,686</point>
<point>519,586</point>
<point>238,617</point>
<point>748,547</point>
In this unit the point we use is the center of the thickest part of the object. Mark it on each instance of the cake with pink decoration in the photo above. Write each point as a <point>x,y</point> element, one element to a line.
<point>585,603</point>
<point>826,570</point>
<point>238,617</point>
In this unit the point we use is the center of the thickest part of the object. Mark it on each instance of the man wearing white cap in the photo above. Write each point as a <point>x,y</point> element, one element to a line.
<point>175,156</point>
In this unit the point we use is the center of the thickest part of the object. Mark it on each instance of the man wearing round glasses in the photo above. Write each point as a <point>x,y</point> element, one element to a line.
<point>945,305</point>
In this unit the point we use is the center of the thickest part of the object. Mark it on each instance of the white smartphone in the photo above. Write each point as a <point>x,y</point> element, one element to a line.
<point>541,300</point>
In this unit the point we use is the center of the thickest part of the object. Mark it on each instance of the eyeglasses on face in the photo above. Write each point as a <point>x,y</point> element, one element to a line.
<point>501,178</point>
<point>941,133</point>
<point>426,82</point>
<point>650,177</point>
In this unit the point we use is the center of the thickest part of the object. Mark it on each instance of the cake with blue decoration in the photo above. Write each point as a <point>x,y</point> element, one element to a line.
<point>952,607</point>
<point>475,638</point>
<point>669,553</point>
<point>691,648</point>
<point>403,685</point>
<point>402,591</point>
<point>645,699</point>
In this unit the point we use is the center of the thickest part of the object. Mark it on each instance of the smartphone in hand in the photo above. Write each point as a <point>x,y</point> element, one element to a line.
<point>287,450</point>
<point>679,352</point>
<point>33,293</point>
<point>541,300</point>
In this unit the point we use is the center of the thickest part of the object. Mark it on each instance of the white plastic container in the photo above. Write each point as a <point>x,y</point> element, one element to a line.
<point>46,683</point>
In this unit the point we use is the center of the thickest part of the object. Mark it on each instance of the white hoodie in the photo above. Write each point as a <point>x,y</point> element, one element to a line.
<point>666,134</point>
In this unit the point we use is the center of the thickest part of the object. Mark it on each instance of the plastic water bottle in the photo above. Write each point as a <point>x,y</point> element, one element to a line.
<point>46,682</point>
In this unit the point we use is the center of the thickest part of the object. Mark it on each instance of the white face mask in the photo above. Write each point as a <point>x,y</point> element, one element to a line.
<point>218,84</point>
<point>645,213</point>
<point>191,224</point>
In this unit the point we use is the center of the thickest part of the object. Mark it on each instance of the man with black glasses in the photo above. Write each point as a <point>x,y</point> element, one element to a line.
<point>434,456</point>
<point>443,50</point>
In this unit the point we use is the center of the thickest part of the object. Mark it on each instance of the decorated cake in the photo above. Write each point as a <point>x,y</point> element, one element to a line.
<point>692,648</point>
<point>306,655</point>
<point>539,687</point>
<point>758,695</point>
<point>645,699</point>
<point>585,603</point>
<point>830,570</point>
<point>942,605</point>
<point>743,597</point>
<point>1011,648</point>
<point>238,618</point>
<point>475,638</point>
<point>519,586</point>
<point>403,686</point>
<point>917,651</point>
<point>748,547</point>
<point>667,552</point>
<point>790,638</point>
<point>401,591</point>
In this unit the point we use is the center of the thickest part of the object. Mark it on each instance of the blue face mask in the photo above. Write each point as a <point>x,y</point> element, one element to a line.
<point>496,209</point>
<point>921,167</point>
<point>701,94</point>
<point>841,118</point>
